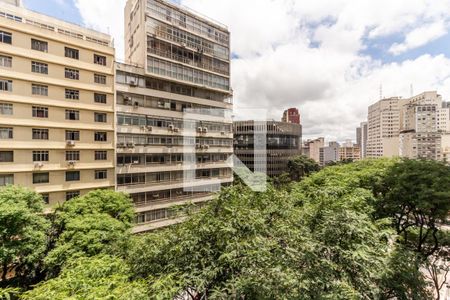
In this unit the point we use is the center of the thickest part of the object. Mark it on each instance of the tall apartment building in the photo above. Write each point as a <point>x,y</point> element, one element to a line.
<point>173,96</point>
<point>311,148</point>
<point>363,140</point>
<point>291,115</point>
<point>425,122</point>
<point>283,141</point>
<point>56,105</point>
<point>383,128</point>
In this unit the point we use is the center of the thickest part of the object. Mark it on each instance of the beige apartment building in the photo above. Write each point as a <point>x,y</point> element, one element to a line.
<point>173,95</point>
<point>311,148</point>
<point>383,128</point>
<point>424,127</point>
<point>349,151</point>
<point>56,105</point>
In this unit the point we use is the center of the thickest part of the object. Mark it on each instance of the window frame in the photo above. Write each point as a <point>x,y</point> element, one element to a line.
<point>100,78</point>
<point>40,155</point>
<point>72,113</point>
<point>6,85</point>
<point>41,45</point>
<point>9,131</point>
<point>100,98</point>
<point>37,180</point>
<point>5,61</point>
<point>43,89</point>
<point>39,112</point>
<point>72,94</point>
<point>98,134</point>
<point>101,174</point>
<point>72,74</point>
<point>101,155</point>
<point>100,117</point>
<point>39,67</point>
<point>100,59</point>
<point>72,53</point>
<point>3,180</point>
<point>5,37</point>
<point>11,153</point>
<point>73,155</point>
<point>76,176</point>
<point>40,134</point>
<point>6,107</point>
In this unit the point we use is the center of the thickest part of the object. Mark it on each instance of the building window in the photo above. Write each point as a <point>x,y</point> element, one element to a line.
<point>72,94</point>
<point>41,178</point>
<point>38,67</point>
<point>6,179</point>
<point>100,78</point>
<point>5,61</point>
<point>72,74</point>
<point>40,112</point>
<point>101,155</point>
<point>5,37</point>
<point>71,53</point>
<point>72,175</point>
<point>101,174</point>
<point>100,136</point>
<point>72,155</point>
<point>100,98</point>
<point>40,156</point>
<point>40,134</point>
<point>6,85</point>
<point>6,133</point>
<point>72,114</point>
<point>39,45</point>
<point>100,117</point>
<point>41,90</point>
<point>99,60</point>
<point>46,198</point>
<point>72,135</point>
<point>71,195</point>
<point>6,109</point>
<point>6,156</point>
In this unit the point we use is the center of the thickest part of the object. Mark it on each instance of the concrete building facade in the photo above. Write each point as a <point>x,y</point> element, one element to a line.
<point>383,128</point>
<point>329,154</point>
<point>178,63</point>
<point>425,122</point>
<point>283,141</point>
<point>311,148</point>
<point>56,105</point>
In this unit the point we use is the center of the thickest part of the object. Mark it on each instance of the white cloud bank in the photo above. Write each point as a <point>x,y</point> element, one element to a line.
<point>308,54</point>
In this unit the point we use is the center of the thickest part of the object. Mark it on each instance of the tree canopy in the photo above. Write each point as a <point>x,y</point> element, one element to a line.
<point>350,231</point>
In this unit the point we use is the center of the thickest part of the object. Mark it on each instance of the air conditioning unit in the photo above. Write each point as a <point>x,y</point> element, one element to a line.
<point>198,146</point>
<point>135,162</point>
<point>171,127</point>
<point>205,146</point>
<point>143,128</point>
<point>135,104</point>
<point>71,163</point>
<point>176,129</point>
<point>120,145</point>
<point>133,83</point>
<point>127,100</point>
<point>222,132</point>
<point>70,143</point>
<point>130,145</point>
<point>149,128</point>
<point>205,129</point>
<point>38,165</point>
<point>199,129</point>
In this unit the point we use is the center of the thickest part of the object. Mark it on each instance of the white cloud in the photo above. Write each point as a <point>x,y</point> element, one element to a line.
<point>307,54</point>
<point>105,16</point>
<point>419,37</point>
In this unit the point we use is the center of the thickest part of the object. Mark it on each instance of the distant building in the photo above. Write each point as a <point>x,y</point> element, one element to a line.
<point>349,151</point>
<point>383,128</point>
<point>329,154</point>
<point>311,148</point>
<point>425,122</point>
<point>283,141</point>
<point>291,115</point>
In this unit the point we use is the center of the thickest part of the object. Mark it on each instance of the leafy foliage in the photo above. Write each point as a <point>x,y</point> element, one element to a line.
<point>98,277</point>
<point>22,232</point>
<point>301,166</point>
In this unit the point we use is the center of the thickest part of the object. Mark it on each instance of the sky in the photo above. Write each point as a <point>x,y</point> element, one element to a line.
<point>329,58</point>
